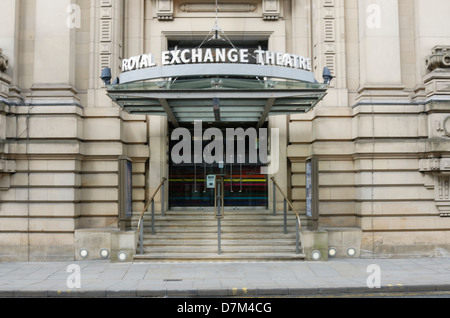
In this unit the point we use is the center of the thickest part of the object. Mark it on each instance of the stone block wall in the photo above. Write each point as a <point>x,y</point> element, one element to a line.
<point>381,135</point>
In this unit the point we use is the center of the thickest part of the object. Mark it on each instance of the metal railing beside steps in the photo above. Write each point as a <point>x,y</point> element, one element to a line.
<point>238,232</point>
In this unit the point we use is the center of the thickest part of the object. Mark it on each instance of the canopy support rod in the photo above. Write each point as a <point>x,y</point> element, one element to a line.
<point>266,112</point>
<point>169,112</point>
<point>216,107</point>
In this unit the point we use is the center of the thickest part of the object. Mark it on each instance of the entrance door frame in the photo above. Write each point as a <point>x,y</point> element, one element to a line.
<point>158,167</point>
<point>258,198</point>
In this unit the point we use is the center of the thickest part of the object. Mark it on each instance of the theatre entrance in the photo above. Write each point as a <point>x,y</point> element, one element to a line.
<point>244,184</point>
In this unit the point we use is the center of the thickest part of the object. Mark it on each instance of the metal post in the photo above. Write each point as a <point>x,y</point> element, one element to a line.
<point>153,216</point>
<point>162,200</point>
<point>205,186</point>
<point>141,237</point>
<point>240,172</point>
<point>231,173</point>
<point>274,199</point>
<point>297,236</point>
<point>285,216</point>
<point>219,230</point>
<point>195,174</point>
<point>218,199</point>
<point>219,216</point>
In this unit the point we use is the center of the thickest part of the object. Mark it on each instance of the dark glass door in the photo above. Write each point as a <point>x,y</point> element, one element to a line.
<point>244,185</point>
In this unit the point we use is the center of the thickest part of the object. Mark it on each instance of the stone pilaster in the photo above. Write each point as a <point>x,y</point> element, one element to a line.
<point>135,25</point>
<point>301,28</point>
<point>157,136</point>
<point>279,170</point>
<point>54,59</point>
<point>380,66</point>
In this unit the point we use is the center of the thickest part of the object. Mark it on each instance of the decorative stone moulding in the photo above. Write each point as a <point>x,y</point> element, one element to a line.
<point>435,165</point>
<point>442,191</point>
<point>165,10</point>
<point>446,126</point>
<point>437,81</point>
<point>438,171</point>
<point>439,58</point>
<point>7,166</point>
<point>4,63</point>
<point>211,7</point>
<point>5,80</point>
<point>271,9</point>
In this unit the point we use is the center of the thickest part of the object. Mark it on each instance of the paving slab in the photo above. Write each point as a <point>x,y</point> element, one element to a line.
<point>224,279</point>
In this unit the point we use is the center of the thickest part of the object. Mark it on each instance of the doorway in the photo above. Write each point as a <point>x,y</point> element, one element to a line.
<point>244,185</point>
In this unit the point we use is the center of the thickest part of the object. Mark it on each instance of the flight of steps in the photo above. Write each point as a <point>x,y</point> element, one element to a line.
<point>246,235</point>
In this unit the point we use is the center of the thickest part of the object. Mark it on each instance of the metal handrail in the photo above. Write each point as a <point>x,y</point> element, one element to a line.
<point>298,223</point>
<point>140,227</point>
<point>219,211</point>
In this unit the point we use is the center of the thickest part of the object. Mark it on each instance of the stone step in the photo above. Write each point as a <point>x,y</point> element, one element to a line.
<point>234,232</point>
<point>189,222</point>
<point>275,228</point>
<point>227,239</point>
<point>224,247</point>
<point>200,245</point>
<point>193,235</point>
<point>210,215</point>
<point>212,240</point>
<point>213,222</point>
<point>215,257</point>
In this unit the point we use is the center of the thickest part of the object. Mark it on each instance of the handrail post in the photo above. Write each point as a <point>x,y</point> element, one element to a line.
<point>274,198</point>
<point>141,237</point>
<point>297,236</point>
<point>162,200</point>
<point>219,211</point>
<point>220,215</point>
<point>219,234</point>
<point>297,222</point>
<point>153,217</point>
<point>141,218</point>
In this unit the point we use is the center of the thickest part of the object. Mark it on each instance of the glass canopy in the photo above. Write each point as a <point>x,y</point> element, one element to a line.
<point>217,99</point>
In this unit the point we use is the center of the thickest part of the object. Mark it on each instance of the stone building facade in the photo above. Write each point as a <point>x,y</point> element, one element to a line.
<point>381,135</point>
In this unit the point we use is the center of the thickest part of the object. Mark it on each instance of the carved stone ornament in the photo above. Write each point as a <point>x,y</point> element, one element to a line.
<point>165,10</point>
<point>271,9</point>
<point>438,172</point>
<point>211,7</point>
<point>446,126</point>
<point>3,62</point>
<point>439,58</point>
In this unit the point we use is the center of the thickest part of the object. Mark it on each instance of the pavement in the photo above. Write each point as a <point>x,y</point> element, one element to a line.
<point>225,279</point>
